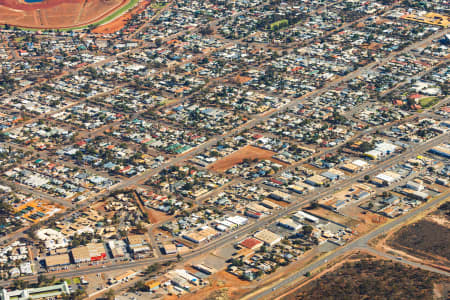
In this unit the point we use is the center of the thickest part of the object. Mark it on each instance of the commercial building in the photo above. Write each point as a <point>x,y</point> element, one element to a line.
<point>301,215</point>
<point>169,249</point>
<point>36,293</point>
<point>268,237</point>
<point>280,196</point>
<point>441,150</point>
<point>289,224</point>
<point>316,180</point>
<point>138,244</point>
<point>90,252</point>
<point>251,243</point>
<point>57,260</point>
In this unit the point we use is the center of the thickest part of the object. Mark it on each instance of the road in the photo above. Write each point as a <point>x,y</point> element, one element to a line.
<point>230,238</point>
<point>360,243</point>
<point>245,230</point>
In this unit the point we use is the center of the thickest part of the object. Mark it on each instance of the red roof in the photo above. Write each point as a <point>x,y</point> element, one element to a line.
<point>415,96</point>
<point>251,243</point>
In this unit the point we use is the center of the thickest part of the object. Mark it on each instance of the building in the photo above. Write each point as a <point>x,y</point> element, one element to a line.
<point>414,186</point>
<point>251,243</point>
<point>152,284</point>
<point>280,196</point>
<point>36,293</point>
<point>316,180</point>
<point>238,220</point>
<point>169,249</point>
<point>117,247</point>
<point>57,260</point>
<point>90,252</point>
<point>205,269</point>
<point>268,237</point>
<point>441,150</point>
<point>300,215</point>
<point>289,224</point>
<point>381,150</point>
<point>138,244</point>
<point>194,237</point>
<point>125,276</point>
<point>386,178</point>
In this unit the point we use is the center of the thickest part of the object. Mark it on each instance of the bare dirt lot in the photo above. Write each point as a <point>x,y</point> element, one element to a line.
<point>247,152</point>
<point>56,14</point>
<point>221,285</point>
<point>367,220</point>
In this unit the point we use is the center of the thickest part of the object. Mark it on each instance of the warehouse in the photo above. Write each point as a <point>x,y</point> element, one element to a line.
<point>57,260</point>
<point>90,252</point>
<point>268,237</point>
<point>442,150</point>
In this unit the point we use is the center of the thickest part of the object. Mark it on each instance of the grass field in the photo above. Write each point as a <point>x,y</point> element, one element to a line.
<point>279,24</point>
<point>428,101</point>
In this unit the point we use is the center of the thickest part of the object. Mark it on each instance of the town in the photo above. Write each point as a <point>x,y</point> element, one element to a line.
<point>221,149</point>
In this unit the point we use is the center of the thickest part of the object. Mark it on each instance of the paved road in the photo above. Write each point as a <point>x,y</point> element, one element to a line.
<point>245,230</point>
<point>408,262</point>
<point>260,224</point>
<point>356,244</point>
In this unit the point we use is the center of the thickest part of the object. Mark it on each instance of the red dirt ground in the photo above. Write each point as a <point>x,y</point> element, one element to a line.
<point>121,21</point>
<point>56,13</point>
<point>249,152</point>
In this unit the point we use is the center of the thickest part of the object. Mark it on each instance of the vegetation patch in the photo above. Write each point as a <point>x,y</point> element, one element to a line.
<point>428,101</point>
<point>372,279</point>
<point>279,24</point>
<point>425,238</point>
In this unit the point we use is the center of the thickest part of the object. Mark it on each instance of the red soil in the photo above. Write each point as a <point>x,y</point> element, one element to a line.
<point>56,13</point>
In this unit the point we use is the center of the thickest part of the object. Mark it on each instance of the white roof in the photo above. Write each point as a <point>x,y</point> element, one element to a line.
<point>359,163</point>
<point>385,177</point>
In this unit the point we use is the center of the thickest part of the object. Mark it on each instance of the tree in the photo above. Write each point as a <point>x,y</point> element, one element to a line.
<point>152,268</point>
<point>140,286</point>
<point>365,146</point>
<point>109,295</point>
<point>307,230</point>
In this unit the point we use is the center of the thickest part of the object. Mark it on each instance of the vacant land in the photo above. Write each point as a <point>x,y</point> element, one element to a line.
<point>56,14</point>
<point>428,238</point>
<point>327,214</point>
<point>247,152</point>
<point>372,279</point>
